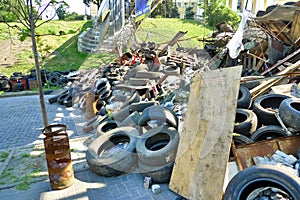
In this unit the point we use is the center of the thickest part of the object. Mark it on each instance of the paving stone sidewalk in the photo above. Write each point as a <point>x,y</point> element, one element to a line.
<point>21,126</point>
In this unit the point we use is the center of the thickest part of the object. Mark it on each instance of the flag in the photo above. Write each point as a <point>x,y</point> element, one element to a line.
<point>142,8</point>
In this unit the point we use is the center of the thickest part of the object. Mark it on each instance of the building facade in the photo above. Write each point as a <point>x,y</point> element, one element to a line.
<point>255,5</point>
<point>184,4</point>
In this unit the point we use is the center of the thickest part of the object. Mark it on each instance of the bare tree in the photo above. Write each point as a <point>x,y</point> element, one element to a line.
<point>29,14</point>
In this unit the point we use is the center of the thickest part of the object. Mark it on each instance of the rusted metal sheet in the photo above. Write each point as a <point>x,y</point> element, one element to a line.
<point>244,153</point>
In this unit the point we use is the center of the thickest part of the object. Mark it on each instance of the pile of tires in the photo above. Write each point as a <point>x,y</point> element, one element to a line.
<point>258,120</point>
<point>124,150</point>
<point>4,83</point>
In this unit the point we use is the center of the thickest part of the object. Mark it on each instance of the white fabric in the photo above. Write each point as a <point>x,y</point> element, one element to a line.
<point>235,45</point>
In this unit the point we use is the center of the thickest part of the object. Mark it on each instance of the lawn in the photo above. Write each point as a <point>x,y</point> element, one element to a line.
<point>59,52</point>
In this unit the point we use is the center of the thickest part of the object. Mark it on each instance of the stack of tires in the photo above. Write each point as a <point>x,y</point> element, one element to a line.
<point>259,120</point>
<point>144,142</point>
<point>4,83</point>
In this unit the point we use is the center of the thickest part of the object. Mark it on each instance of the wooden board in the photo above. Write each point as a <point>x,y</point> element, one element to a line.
<point>204,146</point>
<point>295,30</point>
<point>265,86</point>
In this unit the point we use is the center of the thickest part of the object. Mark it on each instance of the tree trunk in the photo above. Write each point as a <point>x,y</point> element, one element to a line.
<point>37,67</point>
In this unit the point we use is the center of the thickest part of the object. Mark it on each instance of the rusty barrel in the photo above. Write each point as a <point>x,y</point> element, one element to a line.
<point>58,156</point>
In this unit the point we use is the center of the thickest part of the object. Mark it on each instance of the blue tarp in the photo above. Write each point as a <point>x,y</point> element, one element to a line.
<point>142,8</point>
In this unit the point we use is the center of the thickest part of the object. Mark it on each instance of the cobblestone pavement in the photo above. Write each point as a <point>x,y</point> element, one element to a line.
<point>21,125</point>
<point>21,120</point>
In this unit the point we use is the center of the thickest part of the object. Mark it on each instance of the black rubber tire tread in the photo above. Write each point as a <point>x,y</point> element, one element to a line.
<point>244,98</point>
<point>149,75</point>
<point>122,114</point>
<point>165,138</point>
<point>289,112</point>
<point>61,98</point>
<point>171,70</point>
<point>132,71</point>
<point>5,84</point>
<point>118,163</point>
<point>141,106</point>
<point>68,102</point>
<point>158,174</point>
<point>139,81</point>
<point>54,98</point>
<point>261,105</point>
<point>106,126</point>
<point>99,120</point>
<point>241,139</point>
<point>158,112</point>
<point>254,177</point>
<point>104,96</point>
<point>268,132</point>
<point>131,120</point>
<point>245,122</point>
<point>54,79</point>
<point>111,77</point>
<point>134,98</point>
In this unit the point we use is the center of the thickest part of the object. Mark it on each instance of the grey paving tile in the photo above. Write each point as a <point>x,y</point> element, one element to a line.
<point>22,120</point>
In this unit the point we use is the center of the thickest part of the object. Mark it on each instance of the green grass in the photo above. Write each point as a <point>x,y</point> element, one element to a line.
<point>60,52</point>
<point>162,30</point>
<point>3,156</point>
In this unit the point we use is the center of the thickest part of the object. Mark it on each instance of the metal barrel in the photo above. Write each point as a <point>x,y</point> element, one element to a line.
<point>58,156</point>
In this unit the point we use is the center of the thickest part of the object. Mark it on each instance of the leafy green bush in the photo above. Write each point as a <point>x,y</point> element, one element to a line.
<point>223,13</point>
<point>75,17</point>
<point>216,11</point>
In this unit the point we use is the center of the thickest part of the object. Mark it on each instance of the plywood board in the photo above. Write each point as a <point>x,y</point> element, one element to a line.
<point>205,140</point>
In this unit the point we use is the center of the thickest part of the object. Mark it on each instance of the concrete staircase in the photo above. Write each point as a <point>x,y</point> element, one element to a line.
<point>88,41</point>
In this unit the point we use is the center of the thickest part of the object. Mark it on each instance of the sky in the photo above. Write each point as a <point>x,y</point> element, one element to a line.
<point>77,6</point>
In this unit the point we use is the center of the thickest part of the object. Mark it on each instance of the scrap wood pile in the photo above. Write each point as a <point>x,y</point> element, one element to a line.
<point>268,108</point>
<point>137,105</point>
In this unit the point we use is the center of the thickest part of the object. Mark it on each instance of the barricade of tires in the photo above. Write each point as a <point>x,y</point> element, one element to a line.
<point>19,81</point>
<point>122,150</point>
<point>260,119</point>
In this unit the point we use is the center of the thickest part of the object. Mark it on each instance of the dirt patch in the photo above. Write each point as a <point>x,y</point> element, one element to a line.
<point>10,49</point>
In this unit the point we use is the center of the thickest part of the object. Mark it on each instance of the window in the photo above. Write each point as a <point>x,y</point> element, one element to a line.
<point>179,5</point>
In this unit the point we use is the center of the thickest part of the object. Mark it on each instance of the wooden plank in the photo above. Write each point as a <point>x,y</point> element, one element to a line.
<point>280,62</point>
<point>295,29</point>
<point>262,88</point>
<point>172,42</point>
<point>204,146</point>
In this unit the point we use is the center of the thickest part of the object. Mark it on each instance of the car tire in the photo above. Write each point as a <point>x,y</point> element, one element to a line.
<point>160,113</point>
<point>289,112</point>
<point>158,174</point>
<point>244,98</point>
<point>268,133</point>
<point>158,146</point>
<point>262,105</point>
<point>245,122</point>
<point>105,158</point>
<point>248,180</point>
